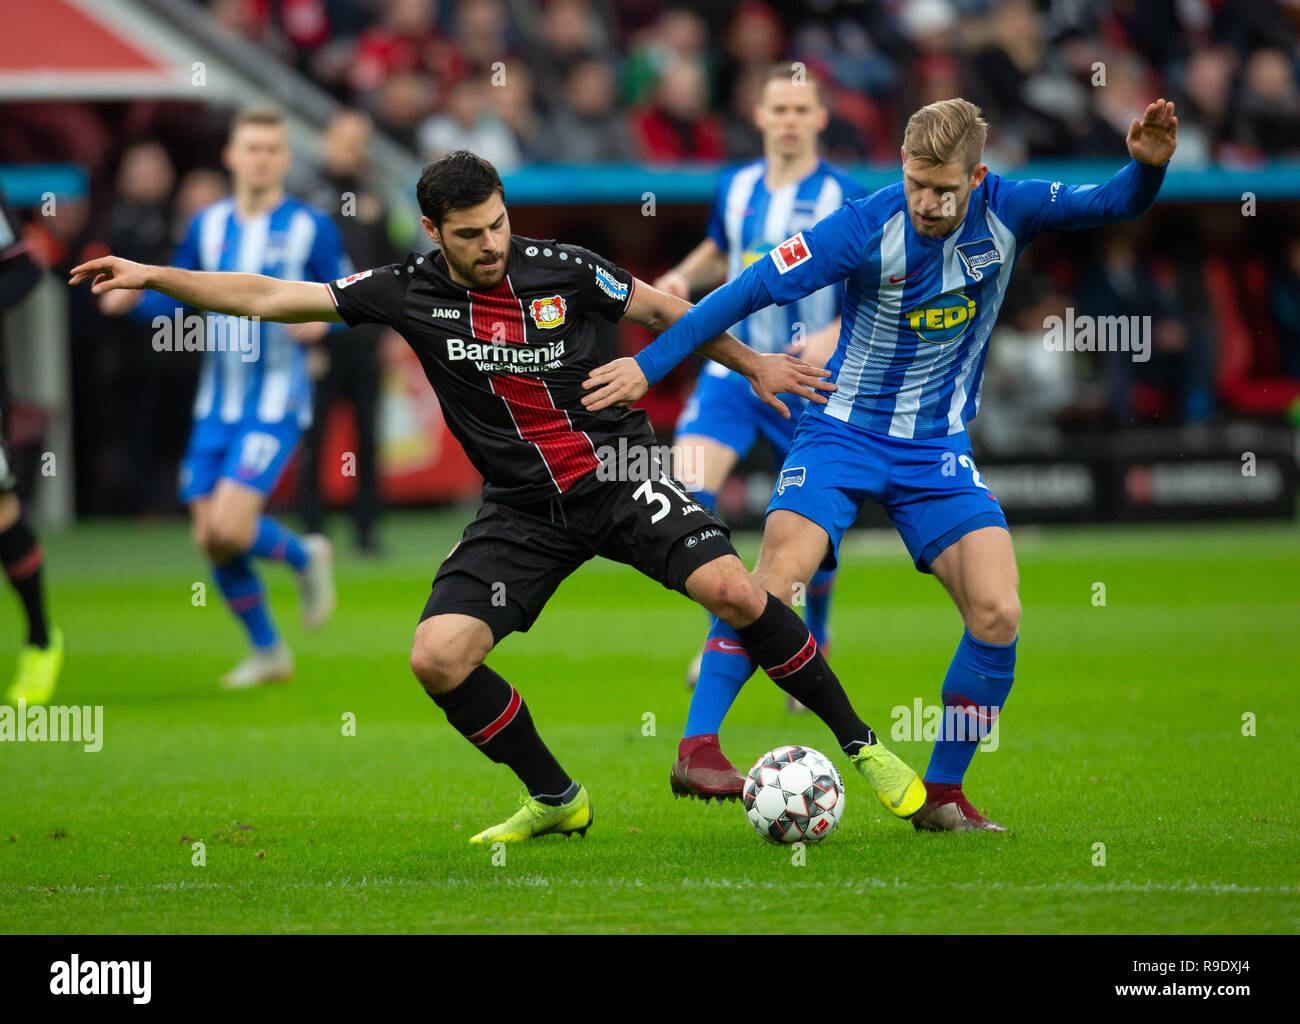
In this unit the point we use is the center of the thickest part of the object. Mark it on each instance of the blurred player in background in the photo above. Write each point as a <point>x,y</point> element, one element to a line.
<point>351,366</point>
<point>755,207</point>
<point>41,658</point>
<point>254,396</point>
<point>927,264</point>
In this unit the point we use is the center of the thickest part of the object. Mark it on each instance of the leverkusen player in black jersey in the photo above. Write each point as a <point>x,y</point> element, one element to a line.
<point>502,326</point>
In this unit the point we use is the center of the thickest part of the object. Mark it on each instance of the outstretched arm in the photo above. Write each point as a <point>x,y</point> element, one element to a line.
<point>1050,206</point>
<point>622,381</point>
<point>268,298</point>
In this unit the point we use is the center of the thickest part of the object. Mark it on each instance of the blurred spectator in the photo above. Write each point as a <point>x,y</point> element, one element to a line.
<point>201,187</point>
<point>678,125</point>
<point>1268,116</point>
<point>1204,112</point>
<point>153,400</point>
<point>740,136</point>
<point>570,32</point>
<point>1122,284</point>
<point>512,98</point>
<point>1284,291</point>
<point>140,221</point>
<point>1123,97</point>
<point>588,126</point>
<point>402,105</point>
<point>470,123</point>
<point>1009,79</point>
<point>348,361</point>
<point>679,37</point>
<point>754,40</point>
<point>407,39</point>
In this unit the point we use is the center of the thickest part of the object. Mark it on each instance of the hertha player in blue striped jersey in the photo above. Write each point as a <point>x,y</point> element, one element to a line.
<point>926,264</point>
<point>254,395</point>
<point>755,206</point>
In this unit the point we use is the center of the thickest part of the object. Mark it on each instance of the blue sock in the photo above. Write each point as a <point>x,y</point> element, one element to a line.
<point>279,543</point>
<point>723,671</point>
<point>246,596</point>
<point>974,691</point>
<point>817,609</point>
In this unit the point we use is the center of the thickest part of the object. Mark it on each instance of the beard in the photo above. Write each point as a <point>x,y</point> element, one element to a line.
<point>475,274</point>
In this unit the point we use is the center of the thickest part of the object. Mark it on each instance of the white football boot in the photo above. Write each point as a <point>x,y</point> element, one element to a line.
<point>263,665</point>
<point>316,582</point>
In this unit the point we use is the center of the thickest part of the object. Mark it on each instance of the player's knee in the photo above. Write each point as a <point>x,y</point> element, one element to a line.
<point>730,593</point>
<point>441,661</point>
<point>995,619</point>
<point>226,539</point>
<point>779,581</point>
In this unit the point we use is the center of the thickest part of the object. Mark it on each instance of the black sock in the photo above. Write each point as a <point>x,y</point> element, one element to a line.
<point>489,712</point>
<point>22,558</point>
<point>780,642</point>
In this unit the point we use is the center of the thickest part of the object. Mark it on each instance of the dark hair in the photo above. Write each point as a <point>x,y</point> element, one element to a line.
<point>456,181</point>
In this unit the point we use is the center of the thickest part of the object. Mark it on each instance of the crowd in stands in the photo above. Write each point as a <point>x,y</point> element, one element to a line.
<point>648,80</point>
<point>645,82</point>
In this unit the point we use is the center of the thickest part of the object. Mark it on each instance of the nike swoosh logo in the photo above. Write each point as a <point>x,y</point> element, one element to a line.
<point>900,280</point>
<point>727,645</point>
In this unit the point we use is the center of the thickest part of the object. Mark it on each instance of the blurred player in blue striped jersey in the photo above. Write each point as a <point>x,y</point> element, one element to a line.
<point>755,207</point>
<point>926,264</point>
<point>254,396</point>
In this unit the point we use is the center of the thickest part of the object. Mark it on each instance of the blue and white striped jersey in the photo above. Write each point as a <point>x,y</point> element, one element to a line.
<point>747,221</point>
<point>918,311</point>
<point>265,382</point>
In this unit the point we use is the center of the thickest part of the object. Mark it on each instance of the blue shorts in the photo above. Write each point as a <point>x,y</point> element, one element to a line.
<point>248,452</point>
<point>725,409</point>
<point>930,488</point>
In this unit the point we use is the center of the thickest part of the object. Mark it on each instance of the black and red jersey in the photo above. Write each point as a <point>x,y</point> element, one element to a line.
<point>508,362</point>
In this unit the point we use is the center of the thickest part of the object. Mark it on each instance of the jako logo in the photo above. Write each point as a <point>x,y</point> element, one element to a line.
<point>790,478</point>
<point>102,978</point>
<point>450,314</point>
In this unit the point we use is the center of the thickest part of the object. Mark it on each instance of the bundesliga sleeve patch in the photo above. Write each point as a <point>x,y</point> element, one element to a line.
<point>343,282</point>
<point>790,253</point>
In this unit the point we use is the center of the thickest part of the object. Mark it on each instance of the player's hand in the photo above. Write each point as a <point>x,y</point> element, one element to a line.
<point>674,284</point>
<point>777,373</point>
<point>307,334</point>
<point>119,303</point>
<point>1154,139</point>
<point>618,383</point>
<point>109,273</point>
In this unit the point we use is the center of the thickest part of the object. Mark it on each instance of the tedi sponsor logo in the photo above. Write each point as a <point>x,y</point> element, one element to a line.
<point>57,724</point>
<point>72,977</point>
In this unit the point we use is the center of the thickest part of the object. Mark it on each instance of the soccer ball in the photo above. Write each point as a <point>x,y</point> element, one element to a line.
<point>793,795</point>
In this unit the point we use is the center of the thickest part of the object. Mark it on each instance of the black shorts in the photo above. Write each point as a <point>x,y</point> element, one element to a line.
<point>511,559</point>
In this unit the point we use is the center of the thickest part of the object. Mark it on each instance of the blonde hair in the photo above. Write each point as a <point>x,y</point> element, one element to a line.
<point>949,131</point>
<point>258,115</point>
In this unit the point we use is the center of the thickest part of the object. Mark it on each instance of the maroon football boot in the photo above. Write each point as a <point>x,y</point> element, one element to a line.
<point>947,810</point>
<point>702,770</point>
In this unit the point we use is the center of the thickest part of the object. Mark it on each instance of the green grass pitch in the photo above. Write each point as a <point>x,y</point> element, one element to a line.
<point>1125,728</point>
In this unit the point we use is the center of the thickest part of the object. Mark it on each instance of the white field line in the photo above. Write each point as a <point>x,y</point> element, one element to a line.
<point>636,884</point>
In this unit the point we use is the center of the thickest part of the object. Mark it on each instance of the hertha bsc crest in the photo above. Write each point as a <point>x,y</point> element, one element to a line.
<point>548,312</point>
